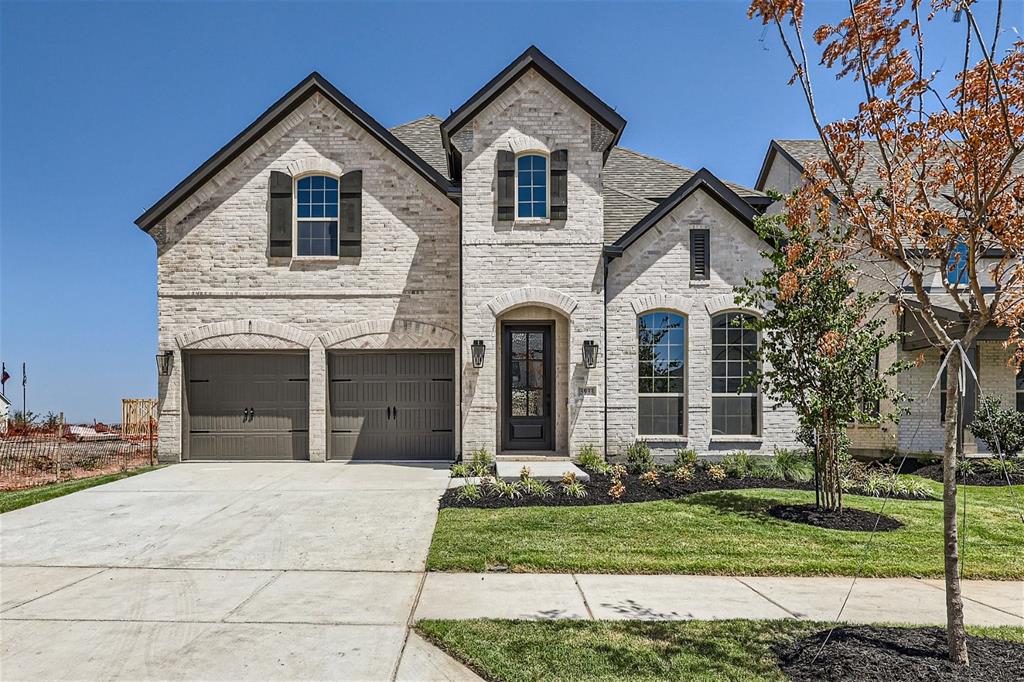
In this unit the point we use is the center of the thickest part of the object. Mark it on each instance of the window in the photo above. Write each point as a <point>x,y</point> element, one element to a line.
<point>956,266</point>
<point>1020,390</point>
<point>872,406</point>
<point>733,349</point>
<point>969,402</point>
<point>662,377</point>
<point>532,186</point>
<point>316,216</point>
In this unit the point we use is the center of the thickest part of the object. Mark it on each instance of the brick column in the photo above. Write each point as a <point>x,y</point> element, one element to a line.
<point>317,402</point>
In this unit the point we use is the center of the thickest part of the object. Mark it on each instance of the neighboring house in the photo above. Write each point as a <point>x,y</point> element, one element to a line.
<point>508,278</point>
<point>922,429</point>
<point>5,411</point>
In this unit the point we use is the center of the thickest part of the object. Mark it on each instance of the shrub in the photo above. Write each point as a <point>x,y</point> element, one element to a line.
<point>716,472</point>
<point>685,458</point>
<point>1002,467</point>
<point>468,493</point>
<point>790,465</point>
<point>738,465</point>
<point>884,482</point>
<point>618,471</point>
<point>590,457</point>
<point>531,486</point>
<point>460,471</point>
<point>568,478</point>
<point>524,473</point>
<point>480,462</point>
<point>683,474</point>
<point>964,468</point>
<point>1002,430</point>
<point>506,489</point>
<point>650,477</point>
<point>639,457</point>
<point>574,489</point>
<point>617,490</point>
<point>915,487</point>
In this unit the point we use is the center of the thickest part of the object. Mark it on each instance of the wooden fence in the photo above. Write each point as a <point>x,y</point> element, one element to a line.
<point>136,414</point>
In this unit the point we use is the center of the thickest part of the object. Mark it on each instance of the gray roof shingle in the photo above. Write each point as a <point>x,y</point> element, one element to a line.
<point>423,136</point>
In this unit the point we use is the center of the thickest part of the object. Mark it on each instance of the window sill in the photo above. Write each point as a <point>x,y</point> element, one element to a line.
<point>316,259</point>
<point>662,439</point>
<point>532,222</point>
<point>726,438</point>
<point>700,283</point>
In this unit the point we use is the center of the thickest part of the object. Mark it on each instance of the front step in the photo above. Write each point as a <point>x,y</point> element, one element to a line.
<point>542,470</point>
<point>531,457</point>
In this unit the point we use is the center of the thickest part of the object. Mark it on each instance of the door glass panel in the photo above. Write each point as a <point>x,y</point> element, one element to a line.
<point>536,373</point>
<point>518,372</point>
<point>536,405</point>
<point>519,403</point>
<point>519,345</point>
<point>536,346</point>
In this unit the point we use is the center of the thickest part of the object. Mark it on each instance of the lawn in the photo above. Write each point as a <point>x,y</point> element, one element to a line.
<point>727,532</point>
<point>511,650</point>
<point>16,499</point>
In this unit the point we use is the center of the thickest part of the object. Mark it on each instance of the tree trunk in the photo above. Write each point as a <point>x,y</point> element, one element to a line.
<point>955,634</point>
<point>827,463</point>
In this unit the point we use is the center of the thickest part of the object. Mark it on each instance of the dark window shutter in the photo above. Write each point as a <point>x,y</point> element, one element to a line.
<point>700,254</point>
<point>506,185</point>
<point>560,184</point>
<point>350,229</point>
<point>280,214</point>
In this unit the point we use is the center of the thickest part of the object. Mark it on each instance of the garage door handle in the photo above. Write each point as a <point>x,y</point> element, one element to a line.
<point>394,412</point>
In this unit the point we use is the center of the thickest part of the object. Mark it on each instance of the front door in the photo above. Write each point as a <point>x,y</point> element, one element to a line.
<point>527,387</point>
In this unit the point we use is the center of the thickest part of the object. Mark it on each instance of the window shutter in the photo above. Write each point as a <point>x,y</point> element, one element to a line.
<point>280,214</point>
<point>351,223</point>
<point>506,185</point>
<point>559,184</point>
<point>700,254</point>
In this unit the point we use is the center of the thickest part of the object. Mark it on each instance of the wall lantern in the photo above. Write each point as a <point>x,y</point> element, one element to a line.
<point>163,363</point>
<point>478,353</point>
<point>590,354</point>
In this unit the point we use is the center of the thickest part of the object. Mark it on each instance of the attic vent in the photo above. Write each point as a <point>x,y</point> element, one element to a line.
<point>700,254</point>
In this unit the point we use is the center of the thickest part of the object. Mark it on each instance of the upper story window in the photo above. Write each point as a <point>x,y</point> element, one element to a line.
<point>532,186</point>
<point>733,349</point>
<point>316,216</point>
<point>956,267</point>
<point>661,352</point>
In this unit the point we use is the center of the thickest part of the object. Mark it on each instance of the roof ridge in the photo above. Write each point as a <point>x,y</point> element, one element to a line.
<point>654,158</point>
<point>421,119</point>
<point>624,193</point>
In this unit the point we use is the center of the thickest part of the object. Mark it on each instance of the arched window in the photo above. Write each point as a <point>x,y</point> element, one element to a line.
<point>734,406</point>
<point>661,351</point>
<point>316,216</point>
<point>532,186</point>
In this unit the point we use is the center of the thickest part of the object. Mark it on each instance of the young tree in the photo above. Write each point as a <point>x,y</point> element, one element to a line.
<point>924,178</point>
<point>821,341</point>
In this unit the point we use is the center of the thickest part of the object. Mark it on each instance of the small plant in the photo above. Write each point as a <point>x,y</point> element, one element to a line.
<point>738,465</point>
<point>575,489</point>
<point>468,493</point>
<point>603,468</point>
<point>882,481</point>
<point>964,468</point>
<point>618,471</point>
<point>915,488</point>
<point>1002,430</point>
<point>1003,467</point>
<point>532,486</point>
<point>590,458</point>
<point>789,465</point>
<point>639,457</point>
<point>460,471</point>
<point>716,473</point>
<point>683,474</point>
<point>685,457</point>
<point>524,473</point>
<point>617,490</point>
<point>506,489</point>
<point>568,478</point>
<point>480,462</point>
<point>650,477</point>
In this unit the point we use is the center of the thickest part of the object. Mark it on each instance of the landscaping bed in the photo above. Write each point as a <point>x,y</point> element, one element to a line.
<point>846,519</point>
<point>981,473</point>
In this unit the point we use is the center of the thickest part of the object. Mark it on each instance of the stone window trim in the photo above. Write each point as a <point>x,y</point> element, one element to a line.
<point>296,256</point>
<point>685,394</point>
<point>534,220</point>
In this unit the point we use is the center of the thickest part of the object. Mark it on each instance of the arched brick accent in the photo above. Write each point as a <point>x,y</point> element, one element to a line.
<point>549,298</point>
<point>245,335</point>
<point>718,304</point>
<point>314,164</point>
<point>386,333</point>
<point>526,143</point>
<point>661,301</point>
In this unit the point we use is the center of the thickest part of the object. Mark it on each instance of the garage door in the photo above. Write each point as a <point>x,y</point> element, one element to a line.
<point>248,406</point>
<point>392,405</point>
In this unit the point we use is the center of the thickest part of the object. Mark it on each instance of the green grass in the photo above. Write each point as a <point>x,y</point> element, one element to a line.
<point>16,499</point>
<point>510,650</point>
<point>727,532</point>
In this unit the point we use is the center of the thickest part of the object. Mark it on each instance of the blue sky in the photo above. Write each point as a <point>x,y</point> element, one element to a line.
<point>106,106</point>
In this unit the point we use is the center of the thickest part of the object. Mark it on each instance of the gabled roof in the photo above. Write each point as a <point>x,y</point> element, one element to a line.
<point>534,59</point>
<point>702,179</point>
<point>423,136</point>
<point>312,84</point>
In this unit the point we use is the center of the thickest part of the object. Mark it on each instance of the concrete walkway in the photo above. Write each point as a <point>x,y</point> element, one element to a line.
<point>224,571</point>
<point>684,597</point>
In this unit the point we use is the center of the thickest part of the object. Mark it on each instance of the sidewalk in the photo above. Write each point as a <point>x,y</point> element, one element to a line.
<point>683,597</point>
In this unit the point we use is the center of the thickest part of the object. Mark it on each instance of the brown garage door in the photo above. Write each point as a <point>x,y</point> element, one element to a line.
<point>248,406</point>
<point>398,405</point>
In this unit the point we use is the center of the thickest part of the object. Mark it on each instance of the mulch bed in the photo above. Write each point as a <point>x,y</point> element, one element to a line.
<point>982,476</point>
<point>636,491</point>
<point>893,654</point>
<point>847,519</point>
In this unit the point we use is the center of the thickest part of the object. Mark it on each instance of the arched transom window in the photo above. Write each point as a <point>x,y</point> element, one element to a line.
<point>532,186</point>
<point>734,406</point>
<point>661,350</point>
<point>316,216</point>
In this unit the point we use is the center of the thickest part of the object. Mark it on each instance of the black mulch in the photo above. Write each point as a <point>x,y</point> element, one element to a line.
<point>636,491</point>
<point>847,519</point>
<point>893,654</point>
<point>982,475</point>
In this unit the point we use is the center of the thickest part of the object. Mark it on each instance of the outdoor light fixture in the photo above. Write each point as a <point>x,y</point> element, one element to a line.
<point>163,362</point>
<point>590,354</point>
<point>478,353</point>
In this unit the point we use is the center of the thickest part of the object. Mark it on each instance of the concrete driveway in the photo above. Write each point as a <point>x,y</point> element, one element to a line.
<point>224,571</point>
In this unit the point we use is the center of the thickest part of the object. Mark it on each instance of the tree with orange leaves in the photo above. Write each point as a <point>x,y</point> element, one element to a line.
<point>927,181</point>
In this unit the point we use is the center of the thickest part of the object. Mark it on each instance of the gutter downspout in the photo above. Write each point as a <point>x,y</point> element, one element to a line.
<point>604,341</point>
<point>462,342</point>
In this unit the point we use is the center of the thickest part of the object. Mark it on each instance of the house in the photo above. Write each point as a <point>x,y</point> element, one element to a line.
<point>5,410</point>
<point>921,430</point>
<point>507,278</point>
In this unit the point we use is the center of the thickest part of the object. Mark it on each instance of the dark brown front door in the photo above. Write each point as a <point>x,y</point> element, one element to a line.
<point>528,375</point>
